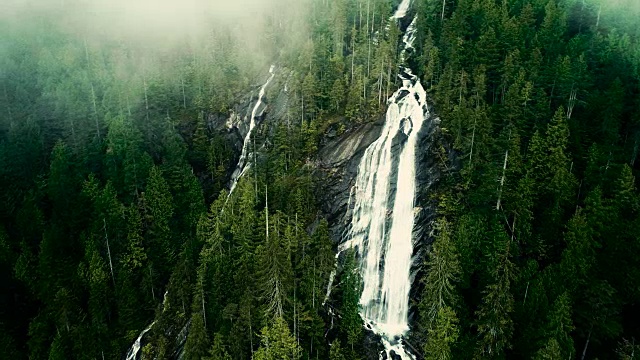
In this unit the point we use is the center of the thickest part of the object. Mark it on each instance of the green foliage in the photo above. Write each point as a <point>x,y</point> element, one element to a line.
<point>442,335</point>
<point>351,286</point>
<point>277,343</point>
<point>106,173</point>
<point>197,342</point>
<point>443,271</point>
<point>218,350</point>
<point>496,73</point>
<point>336,352</point>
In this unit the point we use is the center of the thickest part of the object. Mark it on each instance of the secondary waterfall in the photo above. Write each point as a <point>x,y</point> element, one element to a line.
<point>383,212</point>
<point>243,165</point>
<point>134,350</point>
<point>132,354</point>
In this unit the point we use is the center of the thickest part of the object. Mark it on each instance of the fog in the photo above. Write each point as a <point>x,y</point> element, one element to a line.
<point>160,25</point>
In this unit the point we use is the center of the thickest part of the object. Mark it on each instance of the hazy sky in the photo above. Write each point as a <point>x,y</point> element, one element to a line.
<point>147,18</point>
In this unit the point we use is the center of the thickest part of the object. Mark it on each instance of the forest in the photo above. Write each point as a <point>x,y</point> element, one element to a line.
<point>116,214</point>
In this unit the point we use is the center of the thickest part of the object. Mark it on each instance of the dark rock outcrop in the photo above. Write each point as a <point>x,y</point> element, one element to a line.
<point>336,170</point>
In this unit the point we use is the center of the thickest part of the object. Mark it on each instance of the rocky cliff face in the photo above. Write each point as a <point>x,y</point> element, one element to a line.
<point>336,170</point>
<point>337,166</point>
<point>235,125</point>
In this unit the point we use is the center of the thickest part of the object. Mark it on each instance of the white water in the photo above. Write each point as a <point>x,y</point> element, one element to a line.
<point>402,9</point>
<point>243,165</point>
<point>135,348</point>
<point>133,351</point>
<point>383,217</point>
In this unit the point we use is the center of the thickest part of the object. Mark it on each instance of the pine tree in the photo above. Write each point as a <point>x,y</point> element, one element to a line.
<point>275,272</point>
<point>136,257</point>
<point>197,342</point>
<point>98,280</point>
<point>560,325</point>
<point>351,286</point>
<point>277,343</point>
<point>218,350</point>
<point>158,209</point>
<point>550,351</point>
<point>580,254</point>
<point>494,321</point>
<point>442,335</point>
<point>442,274</point>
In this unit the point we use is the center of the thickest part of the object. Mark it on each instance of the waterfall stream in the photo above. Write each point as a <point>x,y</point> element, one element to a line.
<point>243,165</point>
<point>383,210</point>
<point>132,354</point>
<point>240,169</point>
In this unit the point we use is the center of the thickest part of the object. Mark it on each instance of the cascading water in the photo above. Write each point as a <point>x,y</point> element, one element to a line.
<point>240,169</point>
<point>132,354</point>
<point>383,238</point>
<point>402,9</point>
<point>243,165</point>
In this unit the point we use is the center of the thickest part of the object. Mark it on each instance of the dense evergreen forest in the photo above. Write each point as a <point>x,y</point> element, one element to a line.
<point>115,213</point>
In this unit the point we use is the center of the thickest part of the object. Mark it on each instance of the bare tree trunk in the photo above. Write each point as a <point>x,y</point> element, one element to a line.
<point>128,105</point>
<point>255,169</point>
<point>295,328</point>
<point>572,102</point>
<point>146,99</point>
<point>368,41</point>
<point>95,109</point>
<point>266,208</point>
<point>250,333</point>
<point>444,3</point>
<point>353,54</point>
<point>473,138</point>
<point>504,169</point>
<point>364,89</point>
<point>153,293</point>
<point>104,223</point>
<point>302,117</point>
<point>388,80</point>
<point>204,314</point>
<point>380,82</point>
<point>635,153</point>
<point>586,345</point>
<point>6,99</point>
<point>184,98</point>
<point>360,14</point>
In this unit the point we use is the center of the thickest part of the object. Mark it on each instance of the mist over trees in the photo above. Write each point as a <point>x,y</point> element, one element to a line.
<point>113,181</point>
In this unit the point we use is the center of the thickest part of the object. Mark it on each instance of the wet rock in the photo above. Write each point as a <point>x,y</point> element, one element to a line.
<point>336,170</point>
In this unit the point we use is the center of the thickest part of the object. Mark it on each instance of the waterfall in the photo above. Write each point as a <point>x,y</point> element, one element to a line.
<point>132,354</point>
<point>383,212</point>
<point>402,9</point>
<point>243,165</point>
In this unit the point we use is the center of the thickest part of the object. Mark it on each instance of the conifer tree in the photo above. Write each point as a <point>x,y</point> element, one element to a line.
<point>218,351</point>
<point>442,335</point>
<point>351,286</point>
<point>442,274</point>
<point>277,343</point>
<point>197,342</point>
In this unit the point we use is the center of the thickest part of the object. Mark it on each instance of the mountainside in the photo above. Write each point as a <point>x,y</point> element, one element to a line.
<point>299,179</point>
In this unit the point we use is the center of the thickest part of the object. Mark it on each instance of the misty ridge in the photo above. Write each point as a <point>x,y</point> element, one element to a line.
<point>162,31</point>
